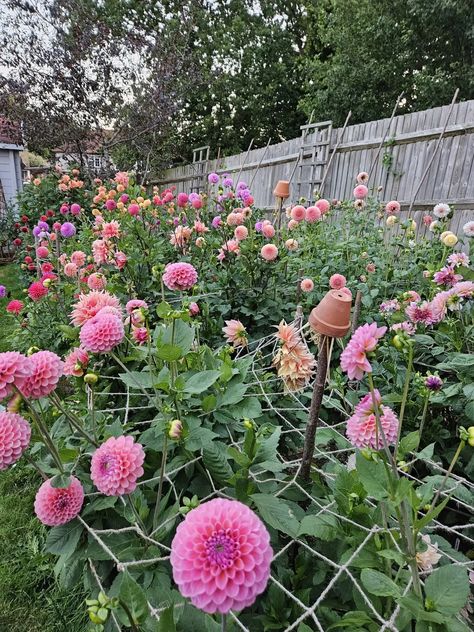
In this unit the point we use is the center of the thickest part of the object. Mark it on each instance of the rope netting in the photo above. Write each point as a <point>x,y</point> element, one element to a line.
<point>332,449</point>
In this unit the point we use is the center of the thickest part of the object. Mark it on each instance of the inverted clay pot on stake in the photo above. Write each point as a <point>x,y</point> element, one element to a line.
<point>331,318</point>
<point>281,192</point>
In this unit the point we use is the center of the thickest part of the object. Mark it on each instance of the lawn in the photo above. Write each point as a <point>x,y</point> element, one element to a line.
<point>30,600</point>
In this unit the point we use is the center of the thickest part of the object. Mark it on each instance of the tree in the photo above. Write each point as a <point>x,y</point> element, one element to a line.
<point>369,51</point>
<point>80,68</point>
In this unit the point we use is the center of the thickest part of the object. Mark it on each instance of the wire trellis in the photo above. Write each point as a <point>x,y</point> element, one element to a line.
<point>260,354</point>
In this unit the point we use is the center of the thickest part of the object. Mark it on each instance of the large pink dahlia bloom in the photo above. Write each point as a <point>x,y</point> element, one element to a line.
<point>13,366</point>
<point>46,369</point>
<point>221,556</point>
<point>354,360</point>
<point>361,427</point>
<point>103,332</point>
<point>90,304</point>
<point>117,465</point>
<point>58,505</point>
<point>179,276</point>
<point>15,435</point>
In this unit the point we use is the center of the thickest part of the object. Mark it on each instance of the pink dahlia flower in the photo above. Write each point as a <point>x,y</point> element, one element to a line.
<point>180,276</point>
<point>117,465</point>
<point>75,362</point>
<point>362,177</point>
<point>57,505</point>
<point>100,251</point>
<point>135,303</point>
<point>15,435</point>
<point>221,556</point>
<point>312,214</point>
<point>140,335</point>
<point>103,332</point>
<point>90,304</point>
<point>79,258</point>
<point>362,426</point>
<point>269,252</point>
<point>268,230</point>
<point>354,360</point>
<point>13,367</point>
<point>361,192</point>
<point>298,213</point>
<point>421,313</point>
<point>307,285</point>
<point>15,307</point>
<point>337,281</point>
<point>323,206</point>
<point>46,369</point>
<point>392,207</point>
<point>110,229</point>
<point>71,269</point>
<point>235,333</point>
<point>241,232</point>
<point>36,291</point>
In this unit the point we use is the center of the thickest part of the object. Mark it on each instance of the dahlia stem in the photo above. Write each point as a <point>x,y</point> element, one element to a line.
<point>461,445</point>
<point>404,397</point>
<point>43,430</point>
<point>224,623</point>
<point>423,415</point>
<point>73,419</point>
<point>160,484</point>
<point>36,466</point>
<point>122,365</point>
<point>129,615</point>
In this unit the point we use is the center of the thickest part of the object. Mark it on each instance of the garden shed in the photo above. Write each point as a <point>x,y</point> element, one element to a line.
<point>10,162</point>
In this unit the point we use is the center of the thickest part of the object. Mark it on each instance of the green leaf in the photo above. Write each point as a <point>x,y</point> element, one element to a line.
<point>277,513</point>
<point>201,381</point>
<point>409,443</point>
<point>63,540</point>
<point>209,403</point>
<point>354,620</point>
<point>168,353</point>
<point>134,597</point>
<point>249,408</point>
<point>137,379</point>
<point>215,459</point>
<point>448,588</point>
<point>423,339</point>
<point>391,554</point>
<point>372,476</point>
<point>233,394</point>
<point>432,513</point>
<point>166,622</point>
<point>164,309</point>
<point>324,526</point>
<point>379,584</point>
<point>267,448</point>
<point>61,481</point>
<point>469,410</point>
<point>182,337</point>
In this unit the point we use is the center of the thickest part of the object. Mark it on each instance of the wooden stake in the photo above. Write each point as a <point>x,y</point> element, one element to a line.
<point>387,129</point>
<point>316,400</point>
<point>356,312</point>
<point>333,153</point>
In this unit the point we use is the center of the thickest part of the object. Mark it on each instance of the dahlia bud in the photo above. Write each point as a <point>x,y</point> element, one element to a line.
<point>248,423</point>
<point>137,317</point>
<point>13,405</point>
<point>175,430</point>
<point>91,378</point>
<point>46,282</point>
<point>32,350</point>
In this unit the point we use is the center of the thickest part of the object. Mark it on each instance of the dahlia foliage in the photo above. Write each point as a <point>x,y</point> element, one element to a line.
<point>159,385</point>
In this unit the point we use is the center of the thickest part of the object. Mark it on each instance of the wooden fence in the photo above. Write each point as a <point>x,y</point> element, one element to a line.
<point>398,151</point>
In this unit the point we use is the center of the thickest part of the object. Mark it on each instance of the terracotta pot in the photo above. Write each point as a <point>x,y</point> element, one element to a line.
<point>282,189</point>
<point>332,316</point>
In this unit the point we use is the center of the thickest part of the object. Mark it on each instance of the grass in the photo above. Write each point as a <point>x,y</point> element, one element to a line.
<point>9,278</point>
<point>30,598</point>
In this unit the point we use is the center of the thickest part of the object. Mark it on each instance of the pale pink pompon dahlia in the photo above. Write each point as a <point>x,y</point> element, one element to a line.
<point>46,369</point>
<point>362,426</point>
<point>354,360</point>
<point>179,276</point>
<point>58,505</point>
<point>221,556</point>
<point>103,332</point>
<point>117,465</point>
<point>15,435</point>
<point>90,304</point>
<point>13,367</point>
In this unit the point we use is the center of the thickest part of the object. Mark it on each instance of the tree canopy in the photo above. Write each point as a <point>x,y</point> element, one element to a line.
<point>175,74</point>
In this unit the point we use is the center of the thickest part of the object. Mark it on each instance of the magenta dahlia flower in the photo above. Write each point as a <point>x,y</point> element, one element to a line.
<point>179,276</point>
<point>13,367</point>
<point>103,332</point>
<point>117,465</point>
<point>362,426</point>
<point>46,369</point>
<point>37,290</point>
<point>221,556</point>
<point>15,435</point>
<point>354,360</point>
<point>58,505</point>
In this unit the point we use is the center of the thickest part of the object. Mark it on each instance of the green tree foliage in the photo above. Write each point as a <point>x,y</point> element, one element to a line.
<point>365,52</point>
